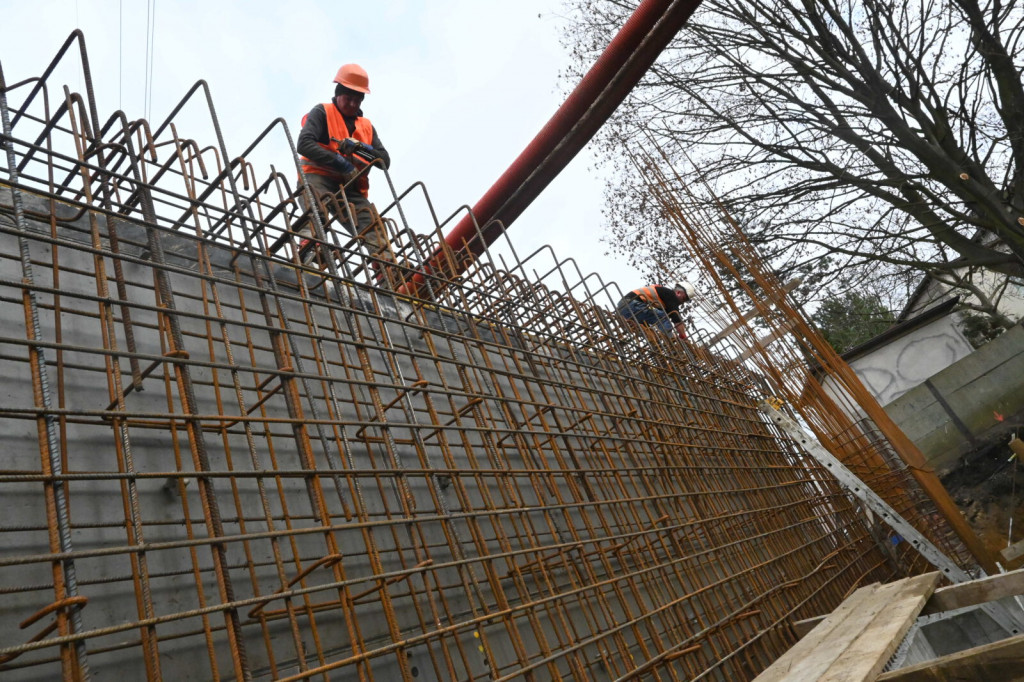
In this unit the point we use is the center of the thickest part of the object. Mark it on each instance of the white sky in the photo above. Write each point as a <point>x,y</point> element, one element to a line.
<point>459,87</point>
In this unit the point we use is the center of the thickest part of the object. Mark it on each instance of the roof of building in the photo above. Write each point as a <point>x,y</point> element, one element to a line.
<point>902,327</point>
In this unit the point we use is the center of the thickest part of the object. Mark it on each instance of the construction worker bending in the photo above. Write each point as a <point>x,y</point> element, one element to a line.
<point>657,306</point>
<point>336,143</point>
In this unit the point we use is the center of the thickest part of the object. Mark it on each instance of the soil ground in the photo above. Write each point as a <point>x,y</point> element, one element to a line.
<point>989,490</point>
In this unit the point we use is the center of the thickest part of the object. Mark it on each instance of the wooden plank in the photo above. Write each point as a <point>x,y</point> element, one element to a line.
<point>867,655</point>
<point>976,592</point>
<point>802,627</point>
<point>997,661</point>
<point>779,670</point>
<point>846,621</point>
<point>1012,552</point>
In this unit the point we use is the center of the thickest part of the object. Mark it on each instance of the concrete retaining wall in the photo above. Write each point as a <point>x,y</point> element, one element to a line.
<point>957,410</point>
<point>393,492</point>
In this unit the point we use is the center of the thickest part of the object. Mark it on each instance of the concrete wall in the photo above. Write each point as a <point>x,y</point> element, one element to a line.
<point>489,498</point>
<point>953,411</point>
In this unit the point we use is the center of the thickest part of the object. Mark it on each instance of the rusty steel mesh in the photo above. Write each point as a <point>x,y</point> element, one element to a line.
<point>221,462</point>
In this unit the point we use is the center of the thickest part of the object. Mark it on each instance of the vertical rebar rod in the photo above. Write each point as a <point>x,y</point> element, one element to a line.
<point>65,579</point>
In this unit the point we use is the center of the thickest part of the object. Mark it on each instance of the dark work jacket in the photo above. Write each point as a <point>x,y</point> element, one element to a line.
<point>314,134</point>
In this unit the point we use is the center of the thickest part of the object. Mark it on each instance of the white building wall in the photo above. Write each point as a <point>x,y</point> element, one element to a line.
<point>895,368</point>
<point>1007,294</point>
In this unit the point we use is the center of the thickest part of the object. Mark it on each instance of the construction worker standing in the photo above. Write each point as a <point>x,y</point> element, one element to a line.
<point>657,306</point>
<point>336,143</point>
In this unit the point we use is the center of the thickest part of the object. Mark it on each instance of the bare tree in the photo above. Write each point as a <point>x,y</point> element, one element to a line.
<point>881,136</point>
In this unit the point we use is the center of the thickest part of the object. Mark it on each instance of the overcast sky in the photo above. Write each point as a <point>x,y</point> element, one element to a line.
<point>459,87</point>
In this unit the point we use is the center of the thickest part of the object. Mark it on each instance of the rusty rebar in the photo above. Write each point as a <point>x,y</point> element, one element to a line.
<point>286,471</point>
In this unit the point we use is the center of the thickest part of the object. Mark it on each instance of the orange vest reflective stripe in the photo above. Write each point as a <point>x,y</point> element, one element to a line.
<point>337,129</point>
<point>649,295</point>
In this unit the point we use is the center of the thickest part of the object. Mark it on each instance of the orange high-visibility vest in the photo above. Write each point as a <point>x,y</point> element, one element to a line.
<point>649,295</point>
<point>337,129</point>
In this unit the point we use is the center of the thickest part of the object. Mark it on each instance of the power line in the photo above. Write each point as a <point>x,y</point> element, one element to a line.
<point>152,58</point>
<point>120,53</point>
<point>150,54</point>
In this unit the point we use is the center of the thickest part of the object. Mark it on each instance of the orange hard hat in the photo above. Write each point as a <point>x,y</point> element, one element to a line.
<point>353,77</point>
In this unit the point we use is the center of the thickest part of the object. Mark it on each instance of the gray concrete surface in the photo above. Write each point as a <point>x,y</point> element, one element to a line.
<point>957,410</point>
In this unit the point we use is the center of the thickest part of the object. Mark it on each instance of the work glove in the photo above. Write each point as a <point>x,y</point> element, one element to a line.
<point>348,145</point>
<point>343,165</point>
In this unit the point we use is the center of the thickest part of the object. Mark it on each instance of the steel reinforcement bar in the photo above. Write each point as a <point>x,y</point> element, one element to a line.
<point>222,462</point>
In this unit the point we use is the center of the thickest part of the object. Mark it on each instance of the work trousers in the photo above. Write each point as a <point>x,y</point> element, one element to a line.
<point>369,228</point>
<point>636,310</point>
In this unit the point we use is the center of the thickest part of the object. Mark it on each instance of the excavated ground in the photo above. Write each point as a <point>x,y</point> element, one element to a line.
<point>989,489</point>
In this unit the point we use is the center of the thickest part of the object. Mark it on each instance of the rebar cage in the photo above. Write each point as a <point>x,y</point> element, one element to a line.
<point>221,462</point>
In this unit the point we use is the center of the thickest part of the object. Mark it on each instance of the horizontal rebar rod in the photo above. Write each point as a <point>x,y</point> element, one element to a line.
<point>284,470</point>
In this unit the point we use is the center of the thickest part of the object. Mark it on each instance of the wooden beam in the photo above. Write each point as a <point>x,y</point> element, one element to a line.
<point>997,661</point>
<point>1012,552</point>
<point>976,592</point>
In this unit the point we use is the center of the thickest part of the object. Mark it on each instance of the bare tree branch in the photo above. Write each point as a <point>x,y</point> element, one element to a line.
<point>866,134</point>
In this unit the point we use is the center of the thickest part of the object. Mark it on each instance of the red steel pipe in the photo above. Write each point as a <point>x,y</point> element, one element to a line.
<point>616,72</point>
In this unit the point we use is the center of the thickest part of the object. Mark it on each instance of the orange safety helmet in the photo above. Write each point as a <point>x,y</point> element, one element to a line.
<point>353,77</point>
